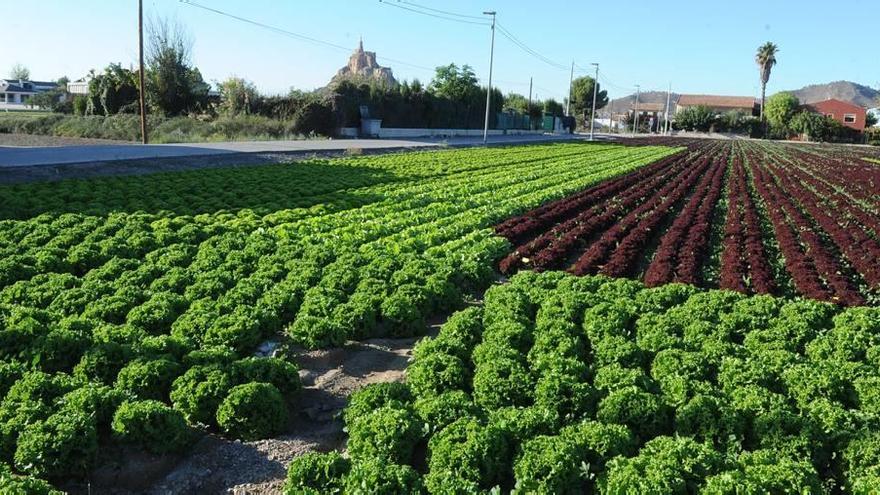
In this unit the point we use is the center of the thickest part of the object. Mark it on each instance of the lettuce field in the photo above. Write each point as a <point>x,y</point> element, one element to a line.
<point>716,332</point>
<point>764,219</point>
<point>562,385</point>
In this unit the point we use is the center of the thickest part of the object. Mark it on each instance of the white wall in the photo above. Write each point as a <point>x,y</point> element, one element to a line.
<point>391,132</point>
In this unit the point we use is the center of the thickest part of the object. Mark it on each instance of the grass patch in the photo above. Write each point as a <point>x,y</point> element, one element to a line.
<point>161,129</point>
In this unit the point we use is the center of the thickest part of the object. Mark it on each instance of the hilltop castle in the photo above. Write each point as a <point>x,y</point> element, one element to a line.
<point>362,65</point>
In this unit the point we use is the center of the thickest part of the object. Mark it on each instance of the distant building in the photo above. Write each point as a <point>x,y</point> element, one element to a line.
<point>80,86</point>
<point>15,93</point>
<point>720,104</point>
<point>649,113</point>
<point>848,114</point>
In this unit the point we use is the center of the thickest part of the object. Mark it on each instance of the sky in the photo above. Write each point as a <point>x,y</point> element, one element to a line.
<point>697,46</point>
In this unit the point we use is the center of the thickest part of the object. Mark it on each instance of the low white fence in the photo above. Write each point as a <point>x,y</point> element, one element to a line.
<point>402,133</point>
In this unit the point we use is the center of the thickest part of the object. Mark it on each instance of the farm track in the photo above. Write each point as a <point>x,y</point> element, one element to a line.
<point>822,212</point>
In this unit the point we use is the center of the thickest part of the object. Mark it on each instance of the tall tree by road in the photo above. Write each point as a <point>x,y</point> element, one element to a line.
<point>766,59</point>
<point>19,71</point>
<point>582,99</point>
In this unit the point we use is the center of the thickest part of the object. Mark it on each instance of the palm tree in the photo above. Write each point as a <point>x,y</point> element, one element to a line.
<point>766,59</point>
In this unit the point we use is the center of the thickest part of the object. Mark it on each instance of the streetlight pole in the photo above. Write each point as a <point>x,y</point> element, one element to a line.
<point>141,71</point>
<point>595,91</point>
<point>489,89</point>
<point>570,82</point>
<point>668,98</point>
<point>636,116</point>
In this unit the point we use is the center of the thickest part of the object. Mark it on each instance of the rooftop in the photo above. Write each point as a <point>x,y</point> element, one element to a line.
<point>716,101</point>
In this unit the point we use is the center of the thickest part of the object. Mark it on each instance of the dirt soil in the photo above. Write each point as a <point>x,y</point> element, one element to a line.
<point>216,465</point>
<point>39,140</point>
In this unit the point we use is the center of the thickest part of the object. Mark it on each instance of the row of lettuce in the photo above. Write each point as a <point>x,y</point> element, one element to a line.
<point>560,384</point>
<point>129,319</point>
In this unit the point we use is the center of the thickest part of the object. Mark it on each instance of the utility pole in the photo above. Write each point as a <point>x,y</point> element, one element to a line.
<point>529,108</point>
<point>636,110</point>
<point>141,71</point>
<point>489,89</point>
<point>595,91</point>
<point>668,97</point>
<point>570,81</point>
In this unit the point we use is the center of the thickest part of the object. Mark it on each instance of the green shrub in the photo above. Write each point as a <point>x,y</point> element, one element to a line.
<point>199,392</point>
<point>252,411</point>
<point>388,433</point>
<point>151,425</point>
<point>378,477</point>
<point>323,473</point>
<point>279,372</point>
<point>64,445</point>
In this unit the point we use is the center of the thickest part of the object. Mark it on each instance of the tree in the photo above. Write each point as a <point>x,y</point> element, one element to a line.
<point>698,118</point>
<point>459,85</point>
<point>870,119</point>
<point>780,109</point>
<point>19,71</point>
<point>173,85</point>
<point>553,107</point>
<point>114,91</point>
<point>582,98</point>
<point>766,59</point>
<point>813,125</point>
<point>237,96</point>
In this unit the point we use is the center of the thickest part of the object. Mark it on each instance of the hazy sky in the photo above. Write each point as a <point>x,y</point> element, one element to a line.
<point>699,46</point>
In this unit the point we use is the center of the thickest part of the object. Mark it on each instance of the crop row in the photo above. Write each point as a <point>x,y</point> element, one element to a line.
<point>563,384</point>
<point>129,306</point>
<point>658,222</point>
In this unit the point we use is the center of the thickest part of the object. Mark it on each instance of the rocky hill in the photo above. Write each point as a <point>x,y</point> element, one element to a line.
<point>362,66</point>
<point>840,90</point>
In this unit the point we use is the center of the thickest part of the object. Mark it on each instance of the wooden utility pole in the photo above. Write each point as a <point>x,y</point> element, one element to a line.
<point>143,104</point>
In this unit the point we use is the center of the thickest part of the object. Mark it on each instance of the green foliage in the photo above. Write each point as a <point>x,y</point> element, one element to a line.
<point>148,379</point>
<point>374,396</point>
<point>696,118</point>
<point>113,91</point>
<point>664,465</point>
<point>780,109</point>
<point>281,373</point>
<point>252,411</point>
<point>198,393</point>
<point>152,426</point>
<point>323,473</point>
<point>64,445</point>
<point>582,98</point>
<point>437,373</point>
<point>466,451</point>
<point>765,471</point>
<point>377,477</point>
<point>388,433</point>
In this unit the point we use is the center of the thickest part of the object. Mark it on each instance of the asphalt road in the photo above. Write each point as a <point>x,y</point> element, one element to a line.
<point>12,156</point>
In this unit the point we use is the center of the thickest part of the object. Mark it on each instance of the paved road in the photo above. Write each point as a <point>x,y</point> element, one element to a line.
<point>11,156</point>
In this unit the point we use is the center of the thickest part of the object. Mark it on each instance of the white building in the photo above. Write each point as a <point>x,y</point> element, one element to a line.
<point>15,93</point>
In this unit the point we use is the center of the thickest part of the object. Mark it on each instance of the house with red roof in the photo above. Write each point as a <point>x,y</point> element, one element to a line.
<point>848,114</point>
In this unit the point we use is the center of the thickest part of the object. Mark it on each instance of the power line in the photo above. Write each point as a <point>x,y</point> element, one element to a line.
<point>297,36</point>
<point>437,16</point>
<point>445,12</point>
<point>507,34</point>
<point>266,26</point>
